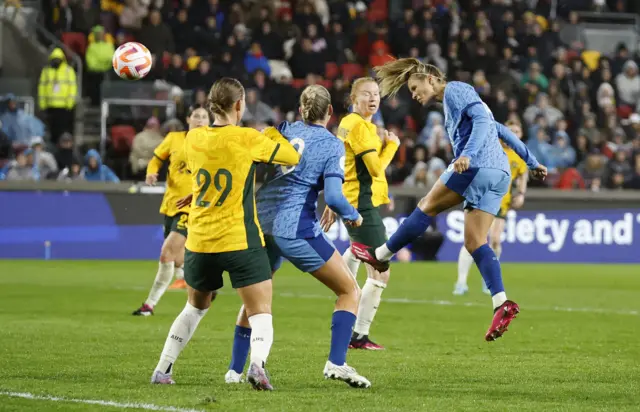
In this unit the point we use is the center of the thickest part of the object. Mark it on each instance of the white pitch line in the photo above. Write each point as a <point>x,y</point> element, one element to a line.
<point>604,311</point>
<point>474,304</point>
<point>123,405</point>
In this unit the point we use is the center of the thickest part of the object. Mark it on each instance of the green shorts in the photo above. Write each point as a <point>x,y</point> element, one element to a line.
<point>372,231</point>
<point>177,223</point>
<point>203,271</point>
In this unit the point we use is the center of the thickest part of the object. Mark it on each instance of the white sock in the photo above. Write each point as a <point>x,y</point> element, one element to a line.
<point>179,335</point>
<point>383,253</point>
<point>498,251</point>
<point>465,261</point>
<point>369,302</point>
<point>498,299</point>
<point>261,337</point>
<point>352,262</point>
<point>160,285</point>
<point>178,273</point>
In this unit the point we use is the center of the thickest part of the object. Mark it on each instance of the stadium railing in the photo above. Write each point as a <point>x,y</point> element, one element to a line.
<point>93,220</point>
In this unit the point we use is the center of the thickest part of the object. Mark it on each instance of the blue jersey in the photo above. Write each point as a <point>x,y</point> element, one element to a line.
<point>485,151</point>
<point>287,203</point>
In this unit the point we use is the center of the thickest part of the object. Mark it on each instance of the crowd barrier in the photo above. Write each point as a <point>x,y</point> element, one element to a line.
<point>120,221</point>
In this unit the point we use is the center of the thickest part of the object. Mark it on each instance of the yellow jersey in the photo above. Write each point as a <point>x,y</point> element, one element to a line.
<point>518,168</point>
<point>178,179</point>
<point>221,160</point>
<point>363,189</point>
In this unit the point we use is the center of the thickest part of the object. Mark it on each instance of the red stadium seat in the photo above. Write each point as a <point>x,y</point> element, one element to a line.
<point>378,11</point>
<point>326,83</point>
<point>331,70</point>
<point>351,71</point>
<point>122,137</point>
<point>75,41</point>
<point>298,83</point>
<point>410,123</point>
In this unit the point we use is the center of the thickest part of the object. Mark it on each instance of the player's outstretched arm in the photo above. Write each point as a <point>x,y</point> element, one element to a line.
<point>335,200</point>
<point>539,171</point>
<point>272,151</point>
<point>511,140</point>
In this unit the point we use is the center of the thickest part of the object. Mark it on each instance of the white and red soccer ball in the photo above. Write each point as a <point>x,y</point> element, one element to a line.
<point>132,61</point>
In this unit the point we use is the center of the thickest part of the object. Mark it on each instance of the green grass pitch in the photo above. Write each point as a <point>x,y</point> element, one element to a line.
<point>67,332</point>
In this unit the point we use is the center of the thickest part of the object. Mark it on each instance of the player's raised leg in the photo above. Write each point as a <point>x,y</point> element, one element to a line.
<point>172,250</point>
<point>181,331</point>
<point>336,276</point>
<point>477,225</point>
<point>495,241</point>
<point>439,199</point>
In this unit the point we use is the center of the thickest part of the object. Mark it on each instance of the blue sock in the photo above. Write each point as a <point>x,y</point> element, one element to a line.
<point>489,267</point>
<point>413,226</point>
<point>240,351</point>
<point>341,327</point>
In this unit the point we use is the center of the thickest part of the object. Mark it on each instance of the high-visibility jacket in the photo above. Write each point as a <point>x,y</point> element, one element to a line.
<point>57,88</point>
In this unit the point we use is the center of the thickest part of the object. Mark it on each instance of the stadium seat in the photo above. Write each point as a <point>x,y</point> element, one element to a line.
<point>378,11</point>
<point>326,83</point>
<point>410,123</point>
<point>122,137</point>
<point>298,83</point>
<point>351,71</point>
<point>331,70</point>
<point>75,41</point>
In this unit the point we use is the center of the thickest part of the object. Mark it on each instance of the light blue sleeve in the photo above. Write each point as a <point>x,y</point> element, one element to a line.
<point>481,120</point>
<point>516,144</point>
<point>335,199</point>
<point>334,167</point>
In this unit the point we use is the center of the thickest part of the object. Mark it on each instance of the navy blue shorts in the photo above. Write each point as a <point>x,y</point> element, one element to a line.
<point>308,255</point>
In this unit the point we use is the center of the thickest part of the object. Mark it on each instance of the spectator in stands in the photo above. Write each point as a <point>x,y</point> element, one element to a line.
<point>270,41</point>
<point>618,171</point>
<point>22,168</point>
<point>144,143</point>
<point>255,60</point>
<point>98,60</point>
<point>394,112</point>
<point>634,180</point>
<point>628,85</point>
<point>592,170</point>
<point>535,75</point>
<point>305,61</point>
<point>17,125</point>
<point>176,74</point>
<point>43,160</point>
<point>5,147</point>
<point>183,31</point>
<point>95,171</point>
<point>65,154</point>
<point>71,173</point>
<point>258,111</point>
<point>542,108</point>
<point>202,78</point>
<point>63,17</point>
<point>157,35</point>
<point>85,16</point>
<point>561,155</point>
<point>57,94</point>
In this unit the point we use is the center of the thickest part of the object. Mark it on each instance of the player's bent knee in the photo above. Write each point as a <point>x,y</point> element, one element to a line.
<point>473,244</point>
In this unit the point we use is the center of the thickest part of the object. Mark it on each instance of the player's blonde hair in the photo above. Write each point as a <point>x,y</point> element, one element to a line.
<point>224,93</point>
<point>356,85</point>
<point>314,103</point>
<point>394,74</point>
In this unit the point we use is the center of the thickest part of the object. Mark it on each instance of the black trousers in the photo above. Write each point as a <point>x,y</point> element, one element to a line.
<point>59,122</point>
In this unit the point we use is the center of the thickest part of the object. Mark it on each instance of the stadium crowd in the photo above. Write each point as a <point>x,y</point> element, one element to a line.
<point>579,110</point>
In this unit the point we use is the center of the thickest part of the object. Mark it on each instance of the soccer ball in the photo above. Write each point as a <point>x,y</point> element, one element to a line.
<point>132,61</point>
